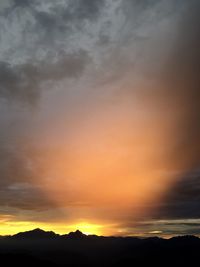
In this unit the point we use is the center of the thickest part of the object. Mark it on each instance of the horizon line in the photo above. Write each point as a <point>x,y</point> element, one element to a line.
<point>144,236</point>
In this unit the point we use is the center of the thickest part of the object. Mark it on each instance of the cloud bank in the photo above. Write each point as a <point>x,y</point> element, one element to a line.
<point>99,108</point>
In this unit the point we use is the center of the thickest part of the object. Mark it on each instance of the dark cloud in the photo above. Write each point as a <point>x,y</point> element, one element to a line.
<point>22,3</point>
<point>46,20</point>
<point>56,31</point>
<point>182,79</point>
<point>52,27</point>
<point>138,12</point>
<point>20,184</point>
<point>19,82</point>
<point>23,82</point>
<point>183,199</point>
<point>48,30</point>
<point>176,90</point>
<point>14,166</point>
<point>71,10</point>
<point>84,9</point>
<point>25,197</point>
<point>67,19</point>
<point>67,66</point>
<point>139,5</point>
<point>165,227</point>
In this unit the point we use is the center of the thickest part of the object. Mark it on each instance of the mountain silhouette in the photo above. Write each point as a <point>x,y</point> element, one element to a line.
<point>35,234</point>
<point>39,247</point>
<point>41,234</point>
<point>75,235</point>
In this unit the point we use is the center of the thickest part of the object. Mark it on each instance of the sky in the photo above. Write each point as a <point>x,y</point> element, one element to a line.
<point>100,116</point>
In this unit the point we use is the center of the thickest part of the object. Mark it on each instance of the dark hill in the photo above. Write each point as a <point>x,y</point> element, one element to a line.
<point>75,235</point>
<point>37,247</point>
<point>35,234</point>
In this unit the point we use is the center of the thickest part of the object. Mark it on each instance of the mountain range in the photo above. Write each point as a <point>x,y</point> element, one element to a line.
<point>39,247</point>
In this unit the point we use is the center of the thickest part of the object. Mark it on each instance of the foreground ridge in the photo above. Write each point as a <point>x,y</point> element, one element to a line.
<point>40,233</point>
<point>39,247</point>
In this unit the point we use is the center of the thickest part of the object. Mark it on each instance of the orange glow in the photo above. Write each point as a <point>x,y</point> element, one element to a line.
<point>10,227</point>
<point>103,165</point>
<point>112,160</point>
<point>86,228</point>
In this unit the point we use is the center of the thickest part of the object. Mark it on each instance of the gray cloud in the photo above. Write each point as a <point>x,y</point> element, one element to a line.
<point>19,82</point>
<point>22,3</point>
<point>21,186</point>
<point>84,9</point>
<point>23,82</point>
<point>167,227</point>
<point>51,41</point>
<point>40,52</point>
<point>183,199</point>
<point>23,75</point>
<point>181,78</point>
<point>24,197</point>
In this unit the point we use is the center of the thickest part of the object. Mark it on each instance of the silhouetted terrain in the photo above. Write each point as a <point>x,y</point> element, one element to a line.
<point>37,247</point>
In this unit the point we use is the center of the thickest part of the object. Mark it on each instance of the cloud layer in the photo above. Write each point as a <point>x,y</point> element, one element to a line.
<point>99,106</point>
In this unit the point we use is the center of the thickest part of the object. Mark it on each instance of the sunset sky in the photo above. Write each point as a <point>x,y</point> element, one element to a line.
<point>100,116</point>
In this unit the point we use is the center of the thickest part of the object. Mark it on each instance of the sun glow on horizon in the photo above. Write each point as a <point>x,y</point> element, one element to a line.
<point>14,227</point>
<point>87,228</point>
